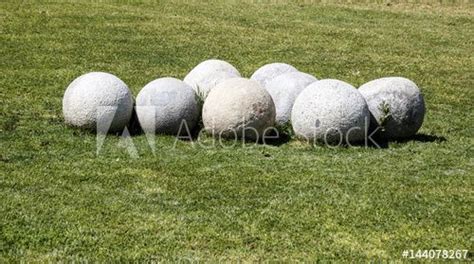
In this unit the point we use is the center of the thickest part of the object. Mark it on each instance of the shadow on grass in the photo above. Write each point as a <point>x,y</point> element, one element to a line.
<point>378,141</point>
<point>272,139</point>
<point>423,138</point>
<point>134,127</point>
<point>284,136</point>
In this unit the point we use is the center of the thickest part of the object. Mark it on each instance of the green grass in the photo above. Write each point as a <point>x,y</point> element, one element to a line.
<point>59,201</point>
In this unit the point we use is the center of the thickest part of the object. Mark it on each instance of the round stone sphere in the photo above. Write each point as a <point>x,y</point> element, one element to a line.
<point>96,100</point>
<point>330,112</point>
<point>204,85</point>
<point>201,74</point>
<point>284,89</point>
<point>238,108</point>
<point>267,72</point>
<point>396,105</point>
<point>163,106</point>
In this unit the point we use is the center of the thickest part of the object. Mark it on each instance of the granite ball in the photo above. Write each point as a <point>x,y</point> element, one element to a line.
<point>204,85</point>
<point>396,105</point>
<point>98,101</point>
<point>267,72</point>
<point>284,89</point>
<point>330,112</point>
<point>209,72</point>
<point>167,106</point>
<point>238,108</point>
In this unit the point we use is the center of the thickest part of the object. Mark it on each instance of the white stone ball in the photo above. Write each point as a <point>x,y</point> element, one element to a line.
<point>97,99</point>
<point>204,85</point>
<point>330,111</point>
<point>284,89</point>
<point>164,104</point>
<point>267,72</point>
<point>237,105</point>
<point>396,104</point>
<point>208,72</point>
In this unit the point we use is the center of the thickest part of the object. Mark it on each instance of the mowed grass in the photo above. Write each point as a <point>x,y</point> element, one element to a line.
<point>61,201</point>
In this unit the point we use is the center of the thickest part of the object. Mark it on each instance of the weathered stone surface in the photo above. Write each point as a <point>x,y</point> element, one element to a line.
<point>98,98</point>
<point>267,72</point>
<point>209,73</point>
<point>238,107</point>
<point>396,104</point>
<point>330,111</point>
<point>204,85</point>
<point>164,104</point>
<point>284,89</point>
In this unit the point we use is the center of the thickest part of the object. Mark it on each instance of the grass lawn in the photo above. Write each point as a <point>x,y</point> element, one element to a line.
<point>59,201</point>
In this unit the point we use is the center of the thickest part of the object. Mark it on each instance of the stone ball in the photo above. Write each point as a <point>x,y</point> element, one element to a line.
<point>167,106</point>
<point>396,105</point>
<point>330,111</point>
<point>98,101</point>
<point>284,89</point>
<point>267,72</point>
<point>238,108</point>
<point>204,85</point>
<point>208,72</point>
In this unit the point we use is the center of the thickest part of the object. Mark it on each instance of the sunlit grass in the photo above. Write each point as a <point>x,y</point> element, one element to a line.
<point>59,201</point>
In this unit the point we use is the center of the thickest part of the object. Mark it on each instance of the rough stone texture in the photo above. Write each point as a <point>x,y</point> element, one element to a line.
<point>208,73</point>
<point>163,104</point>
<point>267,72</point>
<point>284,89</point>
<point>330,111</point>
<point>236,105</point>
<point>205,84</point>
<point>98,98</point>
<point>396,104</point>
